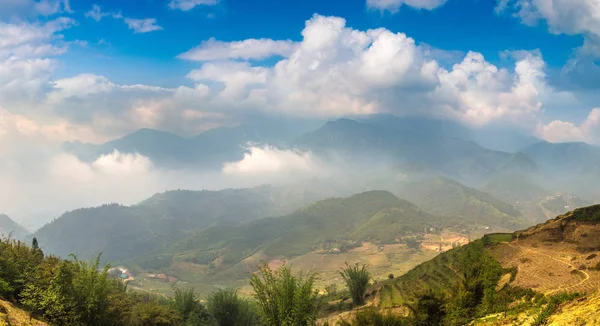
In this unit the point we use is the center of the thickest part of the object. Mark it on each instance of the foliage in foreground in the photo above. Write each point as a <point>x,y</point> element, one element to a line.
<point>285,298</point>
<point>228,309</point>
<point>357,280</point>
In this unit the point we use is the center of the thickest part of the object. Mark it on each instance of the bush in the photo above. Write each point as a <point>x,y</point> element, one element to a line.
<point>190,310</point>
<point>371,316</point>
<point>357,279</point>
<point>285,299</point>
<point>228,309</point>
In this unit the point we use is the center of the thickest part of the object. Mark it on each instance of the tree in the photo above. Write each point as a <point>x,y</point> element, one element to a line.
<point>285,299</point>
<point>228,309</point>
<point>357,280</point>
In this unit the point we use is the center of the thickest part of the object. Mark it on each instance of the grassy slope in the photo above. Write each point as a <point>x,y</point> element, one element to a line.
<point>12,316</point>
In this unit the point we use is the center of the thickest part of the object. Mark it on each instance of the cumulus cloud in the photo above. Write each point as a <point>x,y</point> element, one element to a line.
<point>247,49</point>
<point>187,5</point>
<point>142,25</point>
<point>564,131</point>
<point>394,5</point>
<point>333,71</point>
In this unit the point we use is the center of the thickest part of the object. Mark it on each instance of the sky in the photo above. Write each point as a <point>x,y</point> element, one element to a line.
<point>92,70</point>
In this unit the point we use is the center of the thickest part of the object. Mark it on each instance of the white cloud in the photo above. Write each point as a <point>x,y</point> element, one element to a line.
<point>333,71</point>
<point>264,161</point>
<point>142,25</point>
<point>96,13</point>
<point>187,5</point>
<point>137,25</point>
<point>21,8</point>
<point>394,5</point>
<point>562,17</point>
<point>564,131</point>
<point>247,49</point>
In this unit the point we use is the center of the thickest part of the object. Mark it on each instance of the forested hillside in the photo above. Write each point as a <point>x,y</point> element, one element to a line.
<point>122,232</point>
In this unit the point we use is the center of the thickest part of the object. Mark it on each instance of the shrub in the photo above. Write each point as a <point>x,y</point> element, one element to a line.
<point>357,279</point>
<point>285,299</point>
<point>228,309</point>
<point>371,316</point>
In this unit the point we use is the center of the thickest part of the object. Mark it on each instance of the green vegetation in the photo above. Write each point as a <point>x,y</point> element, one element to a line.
<point>285,299</point>
<point>73,292</point>
<point>455,287</point>
<point>357,279</point>
<point>372,316</point>
<point>498,237</point>
<point>130,232</point>
<point>590,214</point>
<point>228,309</point>
<point>553,303</point>
<point>375,216</point>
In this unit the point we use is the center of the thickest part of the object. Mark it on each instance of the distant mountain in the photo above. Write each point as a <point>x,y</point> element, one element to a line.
<point>208,150</point>
<point>122,232</point>
<point>446,197</point>
<point>417,142</point>
<point>8,226</point>
<point>565,157</point>
<point>503,138</point>
<point>537,203</point>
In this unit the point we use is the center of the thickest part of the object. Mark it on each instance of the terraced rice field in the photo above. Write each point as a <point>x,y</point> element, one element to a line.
<point>557,268</point>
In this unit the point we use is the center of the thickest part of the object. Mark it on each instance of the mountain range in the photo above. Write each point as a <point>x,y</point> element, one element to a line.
<point>410,144</point>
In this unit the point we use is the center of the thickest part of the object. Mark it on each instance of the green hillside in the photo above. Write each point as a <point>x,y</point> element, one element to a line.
<point>446,197</point>
<point>123,232</point>
<point>376,216</point>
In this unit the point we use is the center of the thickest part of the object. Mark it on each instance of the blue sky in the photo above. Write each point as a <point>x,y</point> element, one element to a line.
<point>461,25</point>
<point>93,70</point>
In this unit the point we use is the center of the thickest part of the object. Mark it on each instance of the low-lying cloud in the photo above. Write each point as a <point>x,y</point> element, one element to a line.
<point>36,189</point>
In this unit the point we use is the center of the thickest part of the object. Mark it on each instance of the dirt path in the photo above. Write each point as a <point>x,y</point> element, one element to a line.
<point>585,279</point>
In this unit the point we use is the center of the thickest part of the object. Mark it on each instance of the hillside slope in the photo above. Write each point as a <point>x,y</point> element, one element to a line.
<point>446,197</point>
<point>376,216</point>
<point>559,256</point>
<point>13,316</point>
<point>122,232</point>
